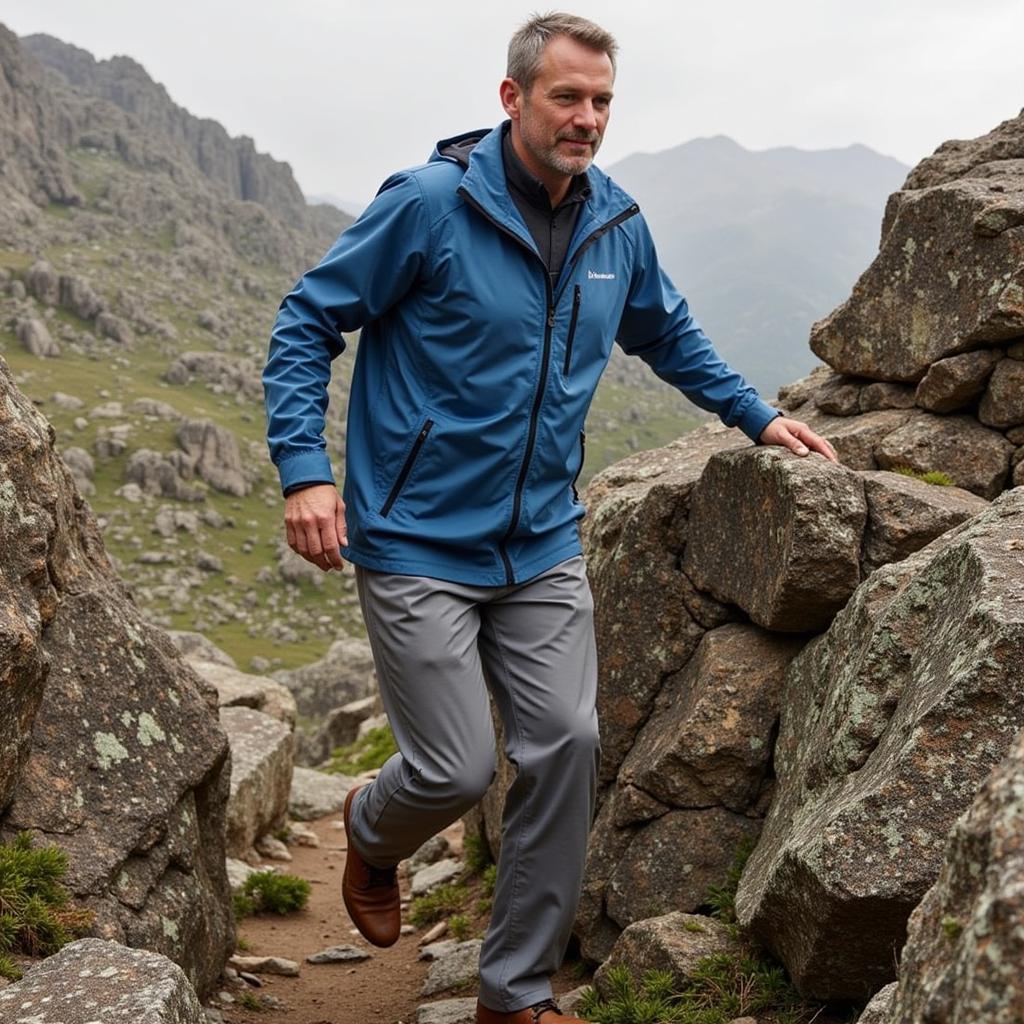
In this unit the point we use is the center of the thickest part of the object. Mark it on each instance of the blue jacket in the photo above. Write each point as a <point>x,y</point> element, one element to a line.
<point>473,374</point>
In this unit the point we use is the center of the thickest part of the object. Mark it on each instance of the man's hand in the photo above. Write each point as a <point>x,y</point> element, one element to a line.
<point>314,519</point>
<point>797,437</point>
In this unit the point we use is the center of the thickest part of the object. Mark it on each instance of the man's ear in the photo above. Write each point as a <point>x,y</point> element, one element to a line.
<point>511,96</point>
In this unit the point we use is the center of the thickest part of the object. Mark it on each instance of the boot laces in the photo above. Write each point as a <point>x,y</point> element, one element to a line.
<point>542,1007</point>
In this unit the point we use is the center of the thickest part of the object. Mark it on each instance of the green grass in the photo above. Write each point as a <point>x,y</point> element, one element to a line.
<point>443,901</point>
<point>37,916</point>
<point>266,892</point>
<point>475,853</point>
<point>364,754</point>
<point>250,1001</point>
<point>933,476</point>
<point>459,927</point>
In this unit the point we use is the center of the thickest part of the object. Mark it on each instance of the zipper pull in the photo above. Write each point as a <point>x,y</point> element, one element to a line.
<point>551,316</point>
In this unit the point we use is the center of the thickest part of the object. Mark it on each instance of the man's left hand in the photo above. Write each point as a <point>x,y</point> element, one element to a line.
<point>797,437</point>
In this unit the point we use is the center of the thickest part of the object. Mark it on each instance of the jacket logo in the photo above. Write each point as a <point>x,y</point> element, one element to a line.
<point>593,275</point>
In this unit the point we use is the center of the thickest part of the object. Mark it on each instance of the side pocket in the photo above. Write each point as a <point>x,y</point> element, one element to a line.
<point>579,468</point>
<point>410,461</point>
<point>577,297</point>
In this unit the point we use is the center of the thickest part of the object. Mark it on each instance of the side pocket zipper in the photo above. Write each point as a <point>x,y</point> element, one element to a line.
<point>579,469</point>
<point>410,461</point>
<point>577,296</point>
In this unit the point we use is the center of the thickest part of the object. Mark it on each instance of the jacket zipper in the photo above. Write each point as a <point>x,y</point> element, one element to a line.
<point>583,456</point>
<point>410,460</point>
<point>538,396</point>
<point>577,295</point>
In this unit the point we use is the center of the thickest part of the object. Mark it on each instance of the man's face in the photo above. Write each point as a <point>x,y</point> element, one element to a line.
<point>563,116</point>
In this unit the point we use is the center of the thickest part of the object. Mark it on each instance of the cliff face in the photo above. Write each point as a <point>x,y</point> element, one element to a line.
<point>232,163</point>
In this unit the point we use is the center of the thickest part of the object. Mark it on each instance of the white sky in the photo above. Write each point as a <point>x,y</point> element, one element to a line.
<point>347,92</point>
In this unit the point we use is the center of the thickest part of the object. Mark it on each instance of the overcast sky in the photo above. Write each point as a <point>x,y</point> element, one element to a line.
<point>347,92</point>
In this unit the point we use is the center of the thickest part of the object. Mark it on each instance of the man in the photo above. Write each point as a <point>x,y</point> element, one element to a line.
<point>489,284</point>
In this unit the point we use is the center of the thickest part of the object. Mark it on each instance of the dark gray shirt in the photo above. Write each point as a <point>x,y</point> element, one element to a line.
<point>551,229</point>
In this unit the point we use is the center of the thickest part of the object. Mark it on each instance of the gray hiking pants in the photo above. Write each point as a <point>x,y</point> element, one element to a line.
<point>438,647</point>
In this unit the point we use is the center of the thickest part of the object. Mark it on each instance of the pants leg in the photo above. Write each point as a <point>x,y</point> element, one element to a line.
<point>437,646</point>
<point>537,643</point>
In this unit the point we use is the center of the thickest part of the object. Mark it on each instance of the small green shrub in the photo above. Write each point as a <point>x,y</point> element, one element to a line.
<point>459,927</point>
<point>269,892</point>
<point>489,877</point>
<point>722,898</point>
<point>932,476</point>
<point>952,928</point>
<point>364,754</point>
<point>36,914</point>
<point>438,903</point>
<point>250,1001</point>
<point>476,853</point>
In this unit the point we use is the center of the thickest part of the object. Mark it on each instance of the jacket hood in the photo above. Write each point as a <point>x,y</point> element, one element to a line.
<point>458,147</point>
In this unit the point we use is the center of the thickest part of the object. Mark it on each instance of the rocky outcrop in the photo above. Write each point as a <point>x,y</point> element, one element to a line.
<point>344,674</point>
<point>214,453</point>
<point>965,947</point>
<point>109,743</point>
<point>890,723</point>
<point>93,980</point>
<point>237,689</point>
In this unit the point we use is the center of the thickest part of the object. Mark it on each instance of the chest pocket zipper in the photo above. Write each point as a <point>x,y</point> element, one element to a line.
<point>579,469</point>
<point>577,297</point>
<point>410,461</point>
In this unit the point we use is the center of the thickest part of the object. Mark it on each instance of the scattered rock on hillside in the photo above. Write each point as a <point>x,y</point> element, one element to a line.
<point>242,690</point>
<point>345,673</point>
<point>215,454</point>
<point>35,336</point>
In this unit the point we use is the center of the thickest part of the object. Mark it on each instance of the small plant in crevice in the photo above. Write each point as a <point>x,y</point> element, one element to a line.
<point>931,476</point>
<point>366,753</point>
<point>475,853</point>
<point>271,893</point>
<point>722,898</point>
<point>440,902</point>
<point>37,916</point>
<point>489,876</point>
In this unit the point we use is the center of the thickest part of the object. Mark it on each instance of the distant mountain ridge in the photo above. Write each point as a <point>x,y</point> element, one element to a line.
<point>762,243</point>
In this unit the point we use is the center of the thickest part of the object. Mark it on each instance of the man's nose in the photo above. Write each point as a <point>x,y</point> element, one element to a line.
<point>586,116</point>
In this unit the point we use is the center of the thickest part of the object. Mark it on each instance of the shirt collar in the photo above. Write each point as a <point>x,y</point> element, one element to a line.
<point>533,189</point>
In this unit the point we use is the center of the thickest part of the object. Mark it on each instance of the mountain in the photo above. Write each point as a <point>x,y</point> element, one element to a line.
<point>762,244</point>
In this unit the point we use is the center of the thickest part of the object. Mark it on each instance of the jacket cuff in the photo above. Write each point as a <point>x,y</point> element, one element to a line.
<point>305,467</point>
<point>756,418</point>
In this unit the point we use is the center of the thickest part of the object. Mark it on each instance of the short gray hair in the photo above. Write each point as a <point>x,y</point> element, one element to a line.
<point>526,48</point>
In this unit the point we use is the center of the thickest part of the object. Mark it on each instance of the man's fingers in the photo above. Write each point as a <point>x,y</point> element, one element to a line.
<point>329,540</point>
<point>340,524</point>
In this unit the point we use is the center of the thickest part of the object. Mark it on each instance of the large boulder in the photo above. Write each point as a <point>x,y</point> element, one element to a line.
<point>777,534</point>
<point>964,957</point>
<point>109,742</point>
<point>344,674</point>
<point>244,690</point>
<point>214,452</point>
<point>93,981</point>
<point>949,275</point>
<point>890,723</point>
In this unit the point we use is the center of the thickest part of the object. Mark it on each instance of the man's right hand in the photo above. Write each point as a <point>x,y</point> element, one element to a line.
<point>314,519</point>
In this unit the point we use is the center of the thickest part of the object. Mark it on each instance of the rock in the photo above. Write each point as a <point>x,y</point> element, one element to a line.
<point>447,1011</point>
<point>107,411</point>
<point>905,514</point>
<point>71,403</point>
<point>344,674</point>
<point>340,728</point>
<point>155,408</point>
<point>238,872</point>
<point>367,725</point>
<point>123,764</point>
<point>569,1002</point>
<point>214,451</point>
<point>434,875</point>
<point>458,965</point>
<point>1003,403</point>
<point>240,689</point>
<point>112,441</point>
<point>965,947</point>
<point>115,328</point>
<point>196,647</point>
<point>953,383</point>
<point>879,1008</point>
<point>673,942</point>
<point>791,555</point>
<point>971,455</point>
<point>885,395</point>
<point>82,467</point>
<point>78,297</point>
<point>839,395</point>
<point>857,439</point>
<point>339,955</point>
<point>43,283</point>
<point>633,536</point>
<point>160,473</point>
<point>300,835</point>
<point>314,794</point>
<point>891,721</point>
<point>704,843</point>
<point>434,849</point>
<point>169,520</point>
<point>261,775</point>
<point>266,965</point>
<point>35,337</point>
<point>272,848</point>
<point>709,739</point>
<point>435,950</point>
<point>793,396</point>
<point>219,369</point>
<point>93,980</point>
<point>948,278</point>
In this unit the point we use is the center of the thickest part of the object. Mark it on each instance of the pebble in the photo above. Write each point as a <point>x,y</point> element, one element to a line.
<point>338,954</point>
<point>266,965</point>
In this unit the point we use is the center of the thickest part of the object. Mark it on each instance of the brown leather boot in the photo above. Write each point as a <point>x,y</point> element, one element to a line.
<point>544,1012</point>
<point>371,894</point>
